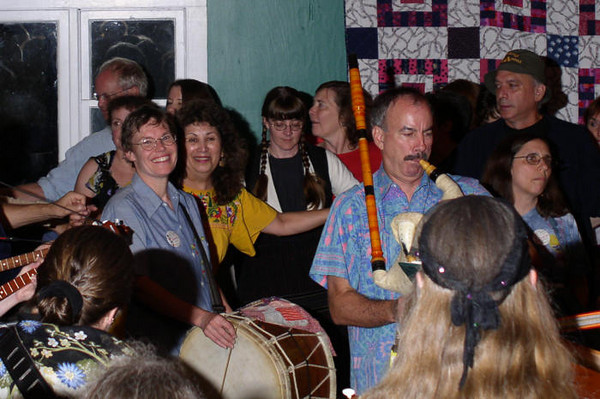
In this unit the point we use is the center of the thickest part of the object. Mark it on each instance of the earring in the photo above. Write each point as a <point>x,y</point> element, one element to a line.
<point>222,161</point>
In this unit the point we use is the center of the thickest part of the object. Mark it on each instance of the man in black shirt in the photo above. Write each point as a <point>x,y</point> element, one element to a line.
<point>519,85</point>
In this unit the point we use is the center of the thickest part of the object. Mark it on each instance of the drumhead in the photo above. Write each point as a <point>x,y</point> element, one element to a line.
<point>252,370</point>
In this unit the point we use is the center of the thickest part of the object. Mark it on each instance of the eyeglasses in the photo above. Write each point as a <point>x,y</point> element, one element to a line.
<point>280,126</point>
<point>535,159</point>
<point>149,144</point>
<point>107,97</point>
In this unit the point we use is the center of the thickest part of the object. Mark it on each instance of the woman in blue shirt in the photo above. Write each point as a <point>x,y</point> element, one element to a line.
<point>520,170</point>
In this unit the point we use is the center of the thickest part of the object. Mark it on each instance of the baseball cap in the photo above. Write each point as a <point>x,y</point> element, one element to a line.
<point>520,61</point>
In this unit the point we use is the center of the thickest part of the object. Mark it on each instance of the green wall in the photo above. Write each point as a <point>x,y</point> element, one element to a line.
<point>255,45</point>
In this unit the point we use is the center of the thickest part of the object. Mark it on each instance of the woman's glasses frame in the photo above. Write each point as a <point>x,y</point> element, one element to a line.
<point>149,144</point>
<point>535,159</point>
<point>281,126</point>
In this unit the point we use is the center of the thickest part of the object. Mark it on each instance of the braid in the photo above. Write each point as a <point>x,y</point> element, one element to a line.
<point>304,153</point>
<point>314,185</point>
<point>260,187</point>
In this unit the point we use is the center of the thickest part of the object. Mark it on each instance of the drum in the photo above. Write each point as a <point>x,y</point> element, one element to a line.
<point>268,361</point>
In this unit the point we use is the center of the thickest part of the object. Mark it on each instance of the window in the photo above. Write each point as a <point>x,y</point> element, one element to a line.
<point>50,54</point>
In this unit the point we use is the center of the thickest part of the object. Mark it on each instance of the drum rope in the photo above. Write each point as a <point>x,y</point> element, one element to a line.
<point>308,364</point>
<point>275,342</point>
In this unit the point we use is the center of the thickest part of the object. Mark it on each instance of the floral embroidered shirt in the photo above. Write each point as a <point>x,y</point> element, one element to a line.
<point>65,356</point>
<point>238,222</point>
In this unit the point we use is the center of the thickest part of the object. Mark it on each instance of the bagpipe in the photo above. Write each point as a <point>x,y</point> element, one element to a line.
<point>399,277</point>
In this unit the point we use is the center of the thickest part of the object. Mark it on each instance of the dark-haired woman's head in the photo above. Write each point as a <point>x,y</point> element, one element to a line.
<point>520,169</point>
<point>88,262</point>
<point>182,91</point>
<point>213,150</point>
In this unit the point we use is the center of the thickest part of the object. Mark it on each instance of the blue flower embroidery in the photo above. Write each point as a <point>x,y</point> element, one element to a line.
<point>70,375</point>
<point>2,369</point>
<point>29,326</point>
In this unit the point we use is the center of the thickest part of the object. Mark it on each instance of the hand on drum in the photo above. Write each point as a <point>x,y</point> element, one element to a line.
<point>219,330</point>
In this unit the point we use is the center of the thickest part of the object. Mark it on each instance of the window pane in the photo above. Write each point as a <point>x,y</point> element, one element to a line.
<point>28,101</point>
<point>150,43</point>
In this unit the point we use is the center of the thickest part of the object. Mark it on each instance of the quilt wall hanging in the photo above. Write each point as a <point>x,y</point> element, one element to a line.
<point>429,43</point>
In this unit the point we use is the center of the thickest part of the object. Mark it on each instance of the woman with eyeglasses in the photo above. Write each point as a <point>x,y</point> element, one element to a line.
<point>291,175</point>
<point>102,175</point>
<point>173,289</point>
<point>520,170</point>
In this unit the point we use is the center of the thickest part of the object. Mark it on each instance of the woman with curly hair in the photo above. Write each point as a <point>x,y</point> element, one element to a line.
<point>86,277</point>
<point>520,171</point>
<point>333,121</point>
<point>213,171</point>
<point>478,324</point>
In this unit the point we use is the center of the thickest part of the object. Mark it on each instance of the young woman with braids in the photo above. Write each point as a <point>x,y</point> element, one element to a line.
<point>291,175</point>
<point>85,278</point>
<point>478,325</point>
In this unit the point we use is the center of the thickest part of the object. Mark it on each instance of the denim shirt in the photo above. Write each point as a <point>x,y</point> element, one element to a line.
<point>163,245</point>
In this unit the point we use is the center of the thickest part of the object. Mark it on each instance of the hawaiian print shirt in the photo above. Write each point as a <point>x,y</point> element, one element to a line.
<point>345,251</point>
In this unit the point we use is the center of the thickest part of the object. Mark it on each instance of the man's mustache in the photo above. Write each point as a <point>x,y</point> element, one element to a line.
<point>419,155</point>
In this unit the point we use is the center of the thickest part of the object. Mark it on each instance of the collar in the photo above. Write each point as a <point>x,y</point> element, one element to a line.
<point>149,198</point>
<point>199,193</point>
<point>543,122</point>
<point>384,183</point>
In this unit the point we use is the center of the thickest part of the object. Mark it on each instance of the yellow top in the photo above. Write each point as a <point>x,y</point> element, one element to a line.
<point>238,222</point>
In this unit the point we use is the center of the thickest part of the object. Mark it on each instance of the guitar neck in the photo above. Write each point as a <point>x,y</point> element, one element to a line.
<point>22,260</point>
<point>16,284</point>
